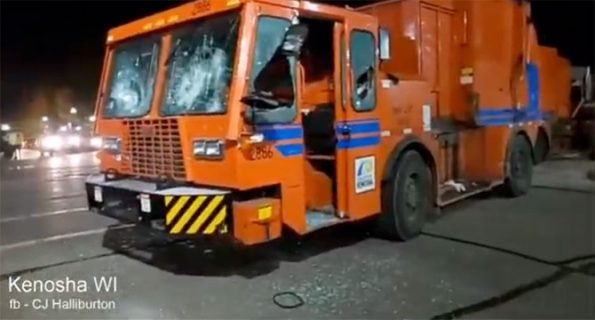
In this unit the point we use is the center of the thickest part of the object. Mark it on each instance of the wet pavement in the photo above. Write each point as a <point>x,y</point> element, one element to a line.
<point>488,257</point>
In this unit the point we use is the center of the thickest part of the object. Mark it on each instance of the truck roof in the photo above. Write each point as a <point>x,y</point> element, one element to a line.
<point>170,17</point>
<point>200,8</point>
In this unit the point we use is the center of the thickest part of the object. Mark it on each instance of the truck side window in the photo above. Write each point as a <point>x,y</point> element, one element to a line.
<point>363,65</point>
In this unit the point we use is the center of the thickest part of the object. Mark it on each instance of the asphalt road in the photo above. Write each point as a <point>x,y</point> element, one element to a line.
<point>489,257</point>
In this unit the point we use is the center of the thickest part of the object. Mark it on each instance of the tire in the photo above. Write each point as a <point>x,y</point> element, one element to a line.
<point>406,199</point>
<point>592,146</point>
<point>519,168</point>
<point>541,149</point>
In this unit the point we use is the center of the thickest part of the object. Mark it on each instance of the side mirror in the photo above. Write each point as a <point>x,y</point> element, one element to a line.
<point>295,36</point>
<point>384,44</point>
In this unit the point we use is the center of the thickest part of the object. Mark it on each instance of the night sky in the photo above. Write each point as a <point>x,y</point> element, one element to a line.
<point>51,52</point>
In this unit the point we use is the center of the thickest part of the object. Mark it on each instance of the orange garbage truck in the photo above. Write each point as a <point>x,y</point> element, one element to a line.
<point>241,119</point>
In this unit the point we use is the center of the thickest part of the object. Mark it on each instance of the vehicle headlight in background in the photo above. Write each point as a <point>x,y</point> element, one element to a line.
<point>74,141</point>
<point>212,149</point>
<point>111,145</point>
<point>51,142</point>
<point>96,142</point>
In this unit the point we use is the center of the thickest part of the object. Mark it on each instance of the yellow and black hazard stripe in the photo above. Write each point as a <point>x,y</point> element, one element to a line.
<point>201,214</point>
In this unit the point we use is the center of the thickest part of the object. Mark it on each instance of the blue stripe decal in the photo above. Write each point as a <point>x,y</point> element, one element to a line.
<point>500,112</point>
<point>358,142</point>
<point>533,87</point>
<point>511,114</point>
<point>505,116</point>
<point>508,117</point>
<point>288,150</point>
<point>281,133</point>
<point>359,127</point>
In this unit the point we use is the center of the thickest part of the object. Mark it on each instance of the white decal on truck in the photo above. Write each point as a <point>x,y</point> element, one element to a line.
<point>365,179</point>
<point>466,76</point>
<point>426,115</point>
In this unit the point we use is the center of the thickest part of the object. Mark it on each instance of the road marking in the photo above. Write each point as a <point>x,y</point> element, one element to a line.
<point>43,214</point>
<point>65,196</point>
<point>62,237</point>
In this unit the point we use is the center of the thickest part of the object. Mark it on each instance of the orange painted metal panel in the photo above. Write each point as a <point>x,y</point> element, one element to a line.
<point>256,221</point>
<point>402,19</point>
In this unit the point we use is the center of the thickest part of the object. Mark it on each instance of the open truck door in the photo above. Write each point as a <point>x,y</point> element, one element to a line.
<point>357,122</point>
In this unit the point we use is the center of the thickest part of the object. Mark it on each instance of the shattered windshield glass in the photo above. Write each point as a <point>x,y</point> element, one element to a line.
<point>200,66</point>
<point>132,78</point>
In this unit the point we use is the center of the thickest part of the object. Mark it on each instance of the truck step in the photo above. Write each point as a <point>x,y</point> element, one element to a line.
<point>452,191</point>
<point>320,157</point>
<point>317,219</point>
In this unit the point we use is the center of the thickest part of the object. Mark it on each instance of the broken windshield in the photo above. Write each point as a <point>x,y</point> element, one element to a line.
<point>132,78</point>
<point>200,66</point>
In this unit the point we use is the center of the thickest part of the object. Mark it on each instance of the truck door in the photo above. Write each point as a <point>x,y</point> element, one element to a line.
<point>357,123</point>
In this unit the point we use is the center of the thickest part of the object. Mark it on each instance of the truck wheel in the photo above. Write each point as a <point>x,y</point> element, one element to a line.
<point>520,168</point>
<point>541,148</point>
<point>406,199</point>
<point>592,146</point>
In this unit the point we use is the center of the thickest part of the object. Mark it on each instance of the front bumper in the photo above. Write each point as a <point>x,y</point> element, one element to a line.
<point>176,210</point>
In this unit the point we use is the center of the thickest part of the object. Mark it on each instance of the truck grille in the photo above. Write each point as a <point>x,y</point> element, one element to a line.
<point>152,148</point>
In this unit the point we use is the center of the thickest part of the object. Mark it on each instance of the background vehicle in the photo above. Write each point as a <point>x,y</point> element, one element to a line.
<point>583,112</point>
<point>66,141</point>
<point>317,115</point>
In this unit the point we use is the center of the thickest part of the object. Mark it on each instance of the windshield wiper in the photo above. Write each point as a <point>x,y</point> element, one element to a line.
<point>173,52</point>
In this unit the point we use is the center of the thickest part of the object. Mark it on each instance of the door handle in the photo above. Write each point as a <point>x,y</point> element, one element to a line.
<point>345,130</point>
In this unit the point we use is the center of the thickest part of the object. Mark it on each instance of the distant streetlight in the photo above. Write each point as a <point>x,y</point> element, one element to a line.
<point>45,119</point>
<point>73,110</point>
<point>91,118</point>
<point>5,127</point>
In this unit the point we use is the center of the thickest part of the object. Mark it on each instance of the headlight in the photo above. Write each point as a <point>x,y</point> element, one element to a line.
<point>111,145</point>
<point>51,142</point>
<point>96,142</point>
<point>212,149</point>
<point>74,141</point>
